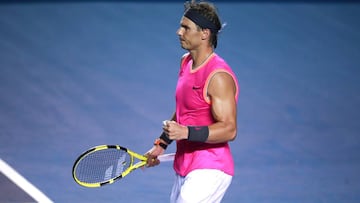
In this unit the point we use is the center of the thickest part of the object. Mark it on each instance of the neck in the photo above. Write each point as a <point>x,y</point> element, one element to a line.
<point>199,57</point>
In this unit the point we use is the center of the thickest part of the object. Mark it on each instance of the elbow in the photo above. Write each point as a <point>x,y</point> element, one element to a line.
<point>233,134</point>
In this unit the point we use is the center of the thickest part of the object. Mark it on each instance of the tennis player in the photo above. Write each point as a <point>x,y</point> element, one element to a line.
<point>205,117</point>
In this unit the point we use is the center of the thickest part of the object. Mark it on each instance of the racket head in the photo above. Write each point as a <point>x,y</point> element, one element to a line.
<point>104,164</point>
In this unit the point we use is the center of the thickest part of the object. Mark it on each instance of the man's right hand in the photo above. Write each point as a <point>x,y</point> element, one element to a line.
<point>152,155</point>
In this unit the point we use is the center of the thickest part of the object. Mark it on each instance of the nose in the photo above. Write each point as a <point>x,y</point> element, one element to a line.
<point>178,32</point>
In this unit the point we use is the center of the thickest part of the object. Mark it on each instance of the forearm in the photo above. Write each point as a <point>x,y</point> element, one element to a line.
<point>222,132</point>
<point>218,132</point>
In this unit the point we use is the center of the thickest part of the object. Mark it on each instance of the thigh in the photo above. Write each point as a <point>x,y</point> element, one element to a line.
<point>175,192</point>
<point>204,185</point>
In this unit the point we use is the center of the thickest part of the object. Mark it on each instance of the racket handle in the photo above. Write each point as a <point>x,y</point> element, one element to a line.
<point>166,157</point>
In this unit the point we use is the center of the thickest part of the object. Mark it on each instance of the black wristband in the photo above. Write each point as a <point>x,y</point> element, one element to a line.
<point>162,145</point>
<point>166,138</point>
<point>198,133</point>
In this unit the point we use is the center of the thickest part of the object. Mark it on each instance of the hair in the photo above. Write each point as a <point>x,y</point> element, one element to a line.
<point>209,11</point>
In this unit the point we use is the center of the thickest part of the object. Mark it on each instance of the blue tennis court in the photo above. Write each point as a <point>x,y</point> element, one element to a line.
<point>78,74</point>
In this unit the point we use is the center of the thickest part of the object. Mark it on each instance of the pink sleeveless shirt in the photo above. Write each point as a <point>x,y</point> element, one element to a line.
<point>193,108</point>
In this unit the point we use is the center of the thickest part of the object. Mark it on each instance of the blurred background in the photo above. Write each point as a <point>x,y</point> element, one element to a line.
<point>76,74</point>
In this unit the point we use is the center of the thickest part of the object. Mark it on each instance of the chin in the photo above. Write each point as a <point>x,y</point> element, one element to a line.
<point>182,46</point>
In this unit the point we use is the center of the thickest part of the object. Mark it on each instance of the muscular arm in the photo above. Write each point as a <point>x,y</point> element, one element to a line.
<point>221,91</point>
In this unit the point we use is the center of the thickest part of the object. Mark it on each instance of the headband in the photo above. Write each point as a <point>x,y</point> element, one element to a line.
<point>200,20</point>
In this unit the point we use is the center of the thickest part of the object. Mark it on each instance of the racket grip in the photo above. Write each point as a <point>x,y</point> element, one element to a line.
<point>166,157</point>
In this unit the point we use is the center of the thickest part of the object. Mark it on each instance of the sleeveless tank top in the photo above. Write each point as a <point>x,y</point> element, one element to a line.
<point>193,108</point>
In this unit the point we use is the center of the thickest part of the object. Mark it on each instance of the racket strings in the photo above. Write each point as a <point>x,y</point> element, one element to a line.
<point>103,165</point>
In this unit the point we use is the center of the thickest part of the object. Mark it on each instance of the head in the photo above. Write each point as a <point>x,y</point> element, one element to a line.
<point>204,17</point>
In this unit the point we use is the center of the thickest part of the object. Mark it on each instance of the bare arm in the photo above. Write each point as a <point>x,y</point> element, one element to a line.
<point>156,150</point>
<point>221,92</point>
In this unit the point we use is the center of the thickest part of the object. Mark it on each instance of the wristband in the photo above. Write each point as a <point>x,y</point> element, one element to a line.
<point>166,138</point>
<point>198,133</point>
<point>162,145</point>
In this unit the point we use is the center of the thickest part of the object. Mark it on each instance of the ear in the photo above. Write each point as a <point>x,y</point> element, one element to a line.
<point>205,34</point>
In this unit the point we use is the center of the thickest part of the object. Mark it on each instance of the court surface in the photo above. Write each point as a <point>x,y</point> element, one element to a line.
<point>78,74</point>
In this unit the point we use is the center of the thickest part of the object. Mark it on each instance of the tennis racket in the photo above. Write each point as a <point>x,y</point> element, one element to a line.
<point>105,164</point>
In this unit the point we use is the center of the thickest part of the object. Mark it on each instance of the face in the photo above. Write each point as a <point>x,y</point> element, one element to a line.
<point>189,34</point>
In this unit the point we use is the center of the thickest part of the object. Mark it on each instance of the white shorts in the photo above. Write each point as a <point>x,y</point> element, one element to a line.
<point>201,185</point>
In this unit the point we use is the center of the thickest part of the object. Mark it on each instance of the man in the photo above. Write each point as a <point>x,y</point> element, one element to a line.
<point>205,117</point>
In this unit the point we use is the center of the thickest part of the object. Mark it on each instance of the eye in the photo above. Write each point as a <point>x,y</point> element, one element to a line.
<point>186,28</point>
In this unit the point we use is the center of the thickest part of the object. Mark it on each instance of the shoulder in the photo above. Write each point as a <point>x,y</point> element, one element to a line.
<point>185,55</point>
<point>218,61</point>
<point>185,59</point>
<point>222,77</point>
